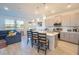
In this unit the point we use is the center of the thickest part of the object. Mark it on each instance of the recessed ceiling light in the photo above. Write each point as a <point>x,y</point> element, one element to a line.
<point>46,7</point>
<point>6,8</point>
<point>68,6</point>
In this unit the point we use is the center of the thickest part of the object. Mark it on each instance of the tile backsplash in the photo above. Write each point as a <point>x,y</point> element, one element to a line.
<point>64,28</point>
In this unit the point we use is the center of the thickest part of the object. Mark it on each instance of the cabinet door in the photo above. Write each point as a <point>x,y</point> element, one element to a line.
<point>77,19</point>
<point>66,20</point>
<point>67,36</point>
<point>73,20</point>
<point>77,38</point>
<point>74,38</point>
<point>62,36</point>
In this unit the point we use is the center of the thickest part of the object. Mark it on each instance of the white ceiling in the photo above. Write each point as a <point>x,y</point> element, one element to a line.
<point>31,8</point>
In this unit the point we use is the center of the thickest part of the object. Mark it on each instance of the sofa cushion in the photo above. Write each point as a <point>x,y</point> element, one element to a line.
<point>11,33</point>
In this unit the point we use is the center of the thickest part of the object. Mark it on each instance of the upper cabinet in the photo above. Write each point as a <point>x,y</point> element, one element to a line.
<point>71,19</point>
<point>77,19</point>
<point>65,20</point>
<point>55,19</point>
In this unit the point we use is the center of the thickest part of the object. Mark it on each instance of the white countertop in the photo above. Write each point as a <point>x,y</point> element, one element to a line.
<point>50,33</point>
<point>69,32</point>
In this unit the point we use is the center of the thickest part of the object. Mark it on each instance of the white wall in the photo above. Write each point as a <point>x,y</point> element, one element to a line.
<point>2,24</point>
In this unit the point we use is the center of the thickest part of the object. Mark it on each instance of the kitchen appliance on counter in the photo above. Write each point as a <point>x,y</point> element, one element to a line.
<point>57,29</point>
<point>69,30</point>
<point>74,29</point>
<point>57,24</point>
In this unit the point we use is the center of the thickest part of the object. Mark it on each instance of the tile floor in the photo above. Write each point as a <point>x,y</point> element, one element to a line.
<point>22,48</point>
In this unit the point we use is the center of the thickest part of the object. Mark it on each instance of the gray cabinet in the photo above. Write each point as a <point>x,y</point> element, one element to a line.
<point>74,37</point>
<point>67,36</point>
<point>64,36</point>
<point>70,37</point>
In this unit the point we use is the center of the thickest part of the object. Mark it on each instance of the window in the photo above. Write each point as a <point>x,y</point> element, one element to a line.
<point>20,24</point>
<point>13,24</point>
<point>9,24</point>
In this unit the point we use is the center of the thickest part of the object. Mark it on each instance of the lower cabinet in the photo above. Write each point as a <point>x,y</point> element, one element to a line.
<point>74,38</point>
<point>64,36</point>
<point>70,37</point>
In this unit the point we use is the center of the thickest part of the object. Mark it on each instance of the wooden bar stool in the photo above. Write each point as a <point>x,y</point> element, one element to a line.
<point>34,38</point>
<point>43,42</point>
<point>29,36</point>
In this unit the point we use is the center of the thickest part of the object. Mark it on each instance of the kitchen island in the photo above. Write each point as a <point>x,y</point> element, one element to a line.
<point>53,38</point>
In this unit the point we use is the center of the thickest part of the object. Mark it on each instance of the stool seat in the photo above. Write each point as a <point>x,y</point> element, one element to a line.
<point>41,41</point>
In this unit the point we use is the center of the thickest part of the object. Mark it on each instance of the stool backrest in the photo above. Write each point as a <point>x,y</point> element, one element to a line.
<point>34,35</point>
<point>42,36</point>
<point>29,34</point>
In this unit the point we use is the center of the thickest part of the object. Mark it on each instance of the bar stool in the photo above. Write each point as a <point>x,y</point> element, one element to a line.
<point>43,42</point>
<point>29,36</point>
<point>34,38</point>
